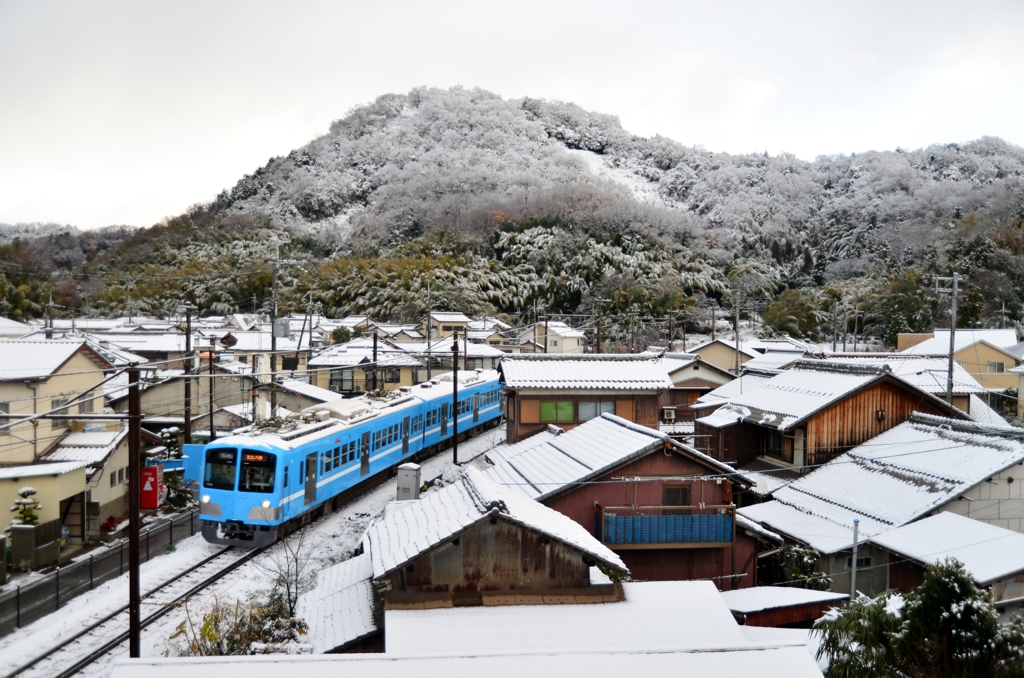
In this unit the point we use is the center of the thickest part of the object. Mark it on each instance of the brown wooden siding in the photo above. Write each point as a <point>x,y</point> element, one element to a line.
<point>854,420</point>
<point>905,576</point>
<point>797,616</point>
<point>663,564</point>
<point>494,557</point>
<point>646,410</point>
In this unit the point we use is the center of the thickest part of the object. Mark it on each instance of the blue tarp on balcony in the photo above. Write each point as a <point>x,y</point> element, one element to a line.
<point>667,529</point>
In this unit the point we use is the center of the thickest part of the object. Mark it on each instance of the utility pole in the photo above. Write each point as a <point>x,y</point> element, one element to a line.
<point>430,312</point>
<point>670,333</point>
<point>737,302</point>
<point>599,332</point>
<point>455,397</point>
<point>714,322</point>
<point>134,505</point>
<point>853,570</point>
<point>833,326</point>
<point>273,332</point>
<point>954,281</point>
<point>545,332</point>
<point>187,433</point>
<point>374,388</point>
<point>213,430</point>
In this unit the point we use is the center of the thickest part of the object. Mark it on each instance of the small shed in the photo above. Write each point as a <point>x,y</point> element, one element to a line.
<point>780,606</point>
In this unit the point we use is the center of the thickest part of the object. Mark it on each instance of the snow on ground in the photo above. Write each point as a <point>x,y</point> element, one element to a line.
<point>332,539</point>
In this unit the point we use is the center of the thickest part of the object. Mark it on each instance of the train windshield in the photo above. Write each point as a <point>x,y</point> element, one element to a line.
<point>220,468</point>
<point>257,471</point>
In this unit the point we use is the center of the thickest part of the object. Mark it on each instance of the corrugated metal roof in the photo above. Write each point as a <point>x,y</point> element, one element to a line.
<point>401,536</point>
<point>761,598</point>
<point>307,390</point>
<point>90,447</point>
<point>623,372</point>
<point>746,382</point>
<point>988,552</point>
<point>340,609</point>
<point>986,416</point>
<point>500,453</point>
<point>36,359</point>
<point>582,453</point>
<point>774,360</point>
<point>891,480</point>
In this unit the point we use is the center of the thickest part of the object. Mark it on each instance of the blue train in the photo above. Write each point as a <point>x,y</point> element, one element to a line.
<point>264,479</point>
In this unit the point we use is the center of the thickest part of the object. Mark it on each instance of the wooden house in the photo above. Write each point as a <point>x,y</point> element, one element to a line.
<point>722,354</point>
<point>567,390</point>
<point>691,378</point>
<point>473,543</point>
<point>664,507</point>
<point>809,414</point>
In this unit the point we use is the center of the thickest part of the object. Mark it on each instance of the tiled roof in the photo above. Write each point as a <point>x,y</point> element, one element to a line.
<point>585,452</point>
<point>748,381</point>
<point>889,481</point>
<point>562,371</point>
<point>340,609</point>
<point>401,536</point>
<point>986,416</point>
<point>38,359</point>
<point>500,453</point>
<point>988,552</point>
<point>774,360</point>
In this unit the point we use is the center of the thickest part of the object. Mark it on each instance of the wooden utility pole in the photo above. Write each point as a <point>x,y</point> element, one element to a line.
<point>213,430</point>
<point>134,506</point>
<point>455,397</point>
<point>187,433</point>
<point>430,312</point>
<point>374,387</point>
<point>954,282</point>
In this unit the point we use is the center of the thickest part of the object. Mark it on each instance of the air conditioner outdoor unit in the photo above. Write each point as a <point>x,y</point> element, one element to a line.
<point>668,415</point>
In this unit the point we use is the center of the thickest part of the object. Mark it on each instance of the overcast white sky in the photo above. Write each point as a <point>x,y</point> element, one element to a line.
<point>126,112</point>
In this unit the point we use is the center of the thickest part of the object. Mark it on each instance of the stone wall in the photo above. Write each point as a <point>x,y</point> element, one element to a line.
<point>24,553</point>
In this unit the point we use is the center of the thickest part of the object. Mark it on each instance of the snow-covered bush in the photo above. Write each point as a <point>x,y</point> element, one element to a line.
<point>27,507</point>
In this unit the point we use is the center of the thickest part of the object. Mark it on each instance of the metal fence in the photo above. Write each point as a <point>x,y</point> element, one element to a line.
<point>23,605</point>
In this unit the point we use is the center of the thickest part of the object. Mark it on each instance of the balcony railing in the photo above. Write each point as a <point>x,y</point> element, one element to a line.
<point>654,527</point>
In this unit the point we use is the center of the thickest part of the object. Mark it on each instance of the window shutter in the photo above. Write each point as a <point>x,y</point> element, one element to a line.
<point>529,411</point>
<point>624,409</point>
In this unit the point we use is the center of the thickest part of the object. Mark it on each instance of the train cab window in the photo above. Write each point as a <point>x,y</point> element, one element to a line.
<point>220,468</point>
<point>257,471</point>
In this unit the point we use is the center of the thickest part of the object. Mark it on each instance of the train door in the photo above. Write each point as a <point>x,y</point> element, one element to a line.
<point>476,407</point>
<point>310,478</point>
<point>405,436</point>
<point>444,419</point>
<point>364,457</point>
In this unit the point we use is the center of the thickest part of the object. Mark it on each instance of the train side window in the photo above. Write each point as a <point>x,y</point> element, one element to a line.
<point>286,476</point>
<point>337,457</point>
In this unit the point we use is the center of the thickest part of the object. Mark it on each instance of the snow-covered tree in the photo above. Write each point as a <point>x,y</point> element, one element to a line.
<point>27,507</point>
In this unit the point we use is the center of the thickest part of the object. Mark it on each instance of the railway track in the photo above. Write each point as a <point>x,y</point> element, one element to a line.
<point>104,635</point>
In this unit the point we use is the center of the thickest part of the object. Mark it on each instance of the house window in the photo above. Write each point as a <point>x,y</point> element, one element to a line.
<point>996,368</point>
<point>861,562</point>
<point>113,478</point>
<point>87,406</point>
<point>590,409</point>
<point>120,475</point>
<point>556,411</point>
<point>342,381</point>
<point>554,342</point>
<point>5,408</point>
<point>446,328</point>
<point>290,364</point>
<point>675,496</point>
<point>244,359</point>
<point>392,376</point>
<point>56,404</point>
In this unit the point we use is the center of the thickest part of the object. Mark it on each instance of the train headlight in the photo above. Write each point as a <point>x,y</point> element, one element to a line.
<point>266,503</point>
<point>206,499</point>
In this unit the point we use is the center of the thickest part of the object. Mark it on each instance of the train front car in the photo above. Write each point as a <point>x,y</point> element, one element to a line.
<point>240,493</point>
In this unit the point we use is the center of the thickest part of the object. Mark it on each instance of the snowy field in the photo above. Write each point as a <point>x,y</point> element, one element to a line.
<point>332,539</point>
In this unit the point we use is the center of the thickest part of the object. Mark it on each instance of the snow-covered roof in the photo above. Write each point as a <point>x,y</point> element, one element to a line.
<point>598,372</point>
<point>779,344</point>
<point>448,317</point>
<point>401,536</point>
<point>927,373</point>
<point>35,470</point>
<point>244,410</point>
<point>660,616</point>
<point>500,453</point>
<point>990,553</point>
<point>772,659</point>
<point>774,360</point>
<point>149,342</point>
<point>986,416</point>
<point>12,328</point>
<point>29,359</point>
<point>91,447</point>
<point>489,323</point>
<point>939,343</point>
<point>762,598</point>
<point>748,381</point>
<point>889,481</point>
<point>307,390</point>
<point>744,349</point>
<point>585,452</point>
<point>672,362</point>
<point>340,609</point>
<point>795,394</point>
